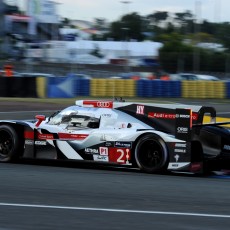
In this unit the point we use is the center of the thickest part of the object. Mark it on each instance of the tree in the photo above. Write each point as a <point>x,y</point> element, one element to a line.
<point>65,22</point>
<point>100,24</point>
<point>129,27</point>
<point>174,52</point>
<point>223,33</point>
<point>185,21</point>
<point>157,17</point>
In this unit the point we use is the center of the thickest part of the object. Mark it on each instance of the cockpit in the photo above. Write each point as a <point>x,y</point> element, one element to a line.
<point>75,117</point>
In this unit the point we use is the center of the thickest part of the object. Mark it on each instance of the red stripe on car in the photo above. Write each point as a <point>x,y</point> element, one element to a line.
<point>72,136</point>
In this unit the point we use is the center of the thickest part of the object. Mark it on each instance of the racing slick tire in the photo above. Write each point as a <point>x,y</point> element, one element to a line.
<point>9,144</point>
<point>151,154</point>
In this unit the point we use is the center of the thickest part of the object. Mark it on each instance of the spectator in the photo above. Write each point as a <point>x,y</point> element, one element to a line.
<point>8,70</point>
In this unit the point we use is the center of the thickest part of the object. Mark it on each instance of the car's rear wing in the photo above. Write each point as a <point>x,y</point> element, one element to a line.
<point>183,126</point>
<point>185,123</point>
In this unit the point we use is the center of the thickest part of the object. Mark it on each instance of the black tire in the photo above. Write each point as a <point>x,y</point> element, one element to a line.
<point>151,154</point>
<point>9,144</point>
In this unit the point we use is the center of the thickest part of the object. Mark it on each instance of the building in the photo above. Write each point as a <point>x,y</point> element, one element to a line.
<point>95,52</point>
<point>39,23</point>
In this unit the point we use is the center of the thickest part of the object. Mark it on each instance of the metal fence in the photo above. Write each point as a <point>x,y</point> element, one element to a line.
<point>97,71</point>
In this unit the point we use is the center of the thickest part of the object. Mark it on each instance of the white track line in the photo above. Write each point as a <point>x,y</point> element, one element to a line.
<point>115,210</point>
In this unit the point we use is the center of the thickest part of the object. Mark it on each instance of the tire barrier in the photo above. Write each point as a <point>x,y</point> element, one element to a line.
<point>113,88</point>
<point>41,83</point>
<point>81,87</point>
<point>67,87</point>
<point>203,89</point>
<point>73,86</point>
<point>60,87</point>
<point>158,88</point>
<point>228,89</point>
<point>18,87</point>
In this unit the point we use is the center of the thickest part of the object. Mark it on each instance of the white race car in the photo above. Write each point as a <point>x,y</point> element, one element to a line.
<point>153,137</point>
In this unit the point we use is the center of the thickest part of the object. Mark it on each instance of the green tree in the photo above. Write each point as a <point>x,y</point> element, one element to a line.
<point>129,27</point>
<point>157,17</point>
<point>174,52</point>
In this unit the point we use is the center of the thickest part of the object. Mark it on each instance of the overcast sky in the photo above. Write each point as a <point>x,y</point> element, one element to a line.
<point>212,10</point>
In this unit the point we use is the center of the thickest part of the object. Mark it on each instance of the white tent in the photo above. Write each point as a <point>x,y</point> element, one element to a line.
<point>117,49</point>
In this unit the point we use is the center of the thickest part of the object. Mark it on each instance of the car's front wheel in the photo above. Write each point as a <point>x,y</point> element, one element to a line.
<point>151,154</point>
<point>9,143</point>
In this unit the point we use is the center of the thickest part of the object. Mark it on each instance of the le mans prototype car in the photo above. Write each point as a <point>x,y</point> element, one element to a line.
<point>153,137</point>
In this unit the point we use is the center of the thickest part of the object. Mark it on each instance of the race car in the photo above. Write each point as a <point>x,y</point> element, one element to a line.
<point>152,137</point>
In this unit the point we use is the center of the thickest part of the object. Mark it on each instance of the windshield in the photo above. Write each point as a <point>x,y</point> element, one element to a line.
<point>74,117</point>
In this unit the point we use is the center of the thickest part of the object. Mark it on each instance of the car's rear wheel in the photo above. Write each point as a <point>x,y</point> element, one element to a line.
<point>9,144</point>
<point>151,154</point>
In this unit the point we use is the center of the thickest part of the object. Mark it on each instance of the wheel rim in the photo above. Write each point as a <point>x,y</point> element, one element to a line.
<point>6,144</point>
<point>151,155</point>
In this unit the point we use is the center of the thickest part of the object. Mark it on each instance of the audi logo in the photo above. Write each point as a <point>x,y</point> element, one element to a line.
<point>103,104</point>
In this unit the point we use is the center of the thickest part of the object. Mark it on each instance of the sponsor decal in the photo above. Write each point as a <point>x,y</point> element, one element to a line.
<point>161,115</point>
<point>100,158</point>
<point>103,104</point>
<point>103,151</point>
<point>99,104</point>
<point>29,142</point>
<point>177,157</point>
<point>108,144</point>
<point>120,144</point>
<point>182,129</point>
<point>140,109</point>
<point>226,147</point>
<point>183,124</point>
<point>180,150</point>
<point>170,115</point>
<point>108,115</point>
<point>178,165</point>
<point>45,136</point>
<point>72,136</point>
<point>91,151</point>
<point>40,143</point>
<point>186,116</point>
<point>180,145</point>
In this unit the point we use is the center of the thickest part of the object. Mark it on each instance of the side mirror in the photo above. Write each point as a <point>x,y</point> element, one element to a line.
<point>40,119</point>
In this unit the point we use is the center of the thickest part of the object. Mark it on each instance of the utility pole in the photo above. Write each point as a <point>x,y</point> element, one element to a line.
<point>125,31</point>
<point>196,53</point>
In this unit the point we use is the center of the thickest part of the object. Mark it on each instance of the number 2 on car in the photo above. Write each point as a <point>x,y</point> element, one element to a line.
<point>119,155</point>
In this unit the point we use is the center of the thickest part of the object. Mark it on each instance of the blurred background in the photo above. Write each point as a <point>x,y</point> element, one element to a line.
<point>181,53</point>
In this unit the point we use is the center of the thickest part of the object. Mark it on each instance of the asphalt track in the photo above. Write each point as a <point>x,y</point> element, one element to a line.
<point>52,195</point>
